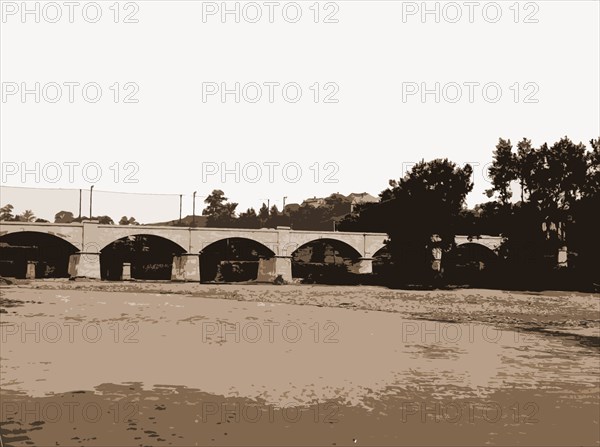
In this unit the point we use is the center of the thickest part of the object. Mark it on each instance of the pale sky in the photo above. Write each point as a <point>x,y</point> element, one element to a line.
<point>370,61</point>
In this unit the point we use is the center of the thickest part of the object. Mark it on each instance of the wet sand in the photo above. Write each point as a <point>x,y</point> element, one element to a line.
<point>181,364</point>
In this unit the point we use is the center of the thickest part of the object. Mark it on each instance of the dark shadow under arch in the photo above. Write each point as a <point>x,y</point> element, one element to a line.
<point>150,256</point>
<point>232,260</point>
<point>49,253</point>
<point>382,262</point>
<point>325,261</point>
<point>471,264</point>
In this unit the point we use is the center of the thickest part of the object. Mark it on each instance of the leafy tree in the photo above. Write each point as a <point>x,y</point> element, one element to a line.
<point>248,219</point>
<point>6,212</point>
<point>263,214</point>
<point>102,220</point>
<point>220,213</point>
<point>422,210</point>
<point>26,216</point>
<point>592,176</point>
<point>322,217</point>
<point>128,221</point>
<point>64,217</point>
<point>276,218</point>
<point>524,163</point>
<point>364,217</point>
<point>309,217</point>
<point>503,170</point>
<point>338,204</point>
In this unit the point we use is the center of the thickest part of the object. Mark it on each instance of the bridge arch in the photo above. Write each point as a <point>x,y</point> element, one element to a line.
<point>150,256</point>
<point>472,263</point>
<point>232,259</point>
<point>71,233</point>
<point>326,260</point>
<point>35,254</point>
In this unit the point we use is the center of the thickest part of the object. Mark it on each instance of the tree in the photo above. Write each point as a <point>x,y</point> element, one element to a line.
<point>276,218</point>
<point>364,217</point>
<point>220,213</point>
<point>421,211</point>
<point>553,180</point>
<point>128,221</point>
<point>592,176</point>
<point>503,170</point>
<point>26,216</point>
<point>322,217</point>
<point>249,219</point>
<point>6,212</point>
<point>309,217</point>
<point>64,217</point>
<point>102,220</point>
<point>263,214</point>
<point>524,161</point>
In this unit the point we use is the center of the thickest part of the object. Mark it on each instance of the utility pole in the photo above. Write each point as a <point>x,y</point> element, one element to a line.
<point>284,197</point>
<point>79,204</point>
<point>180,198</point>
<point>91,191</point>
<point>194,209</point>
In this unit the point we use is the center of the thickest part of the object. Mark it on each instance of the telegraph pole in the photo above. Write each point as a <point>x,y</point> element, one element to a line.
<point>194,209</point>
<point>180,198</point>
<point>79,204</point>
<point>91,191</point>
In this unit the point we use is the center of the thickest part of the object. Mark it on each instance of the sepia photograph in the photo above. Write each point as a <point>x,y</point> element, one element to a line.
<point>299,223</point>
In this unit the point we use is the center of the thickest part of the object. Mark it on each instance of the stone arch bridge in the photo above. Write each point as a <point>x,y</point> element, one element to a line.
<point>89,238</point>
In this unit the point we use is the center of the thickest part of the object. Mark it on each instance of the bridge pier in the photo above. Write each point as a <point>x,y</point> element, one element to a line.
<point>126,272</point>
<point>363,266</point>
<point>186,268</point>
<point>562,257</point>
<point>269,269</point>
<point>436,253</point>
<point>30,272</point>
<point>84,265</point>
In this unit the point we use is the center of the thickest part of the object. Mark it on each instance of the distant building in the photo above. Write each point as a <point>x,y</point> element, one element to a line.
<point>314,202</point>
<point>363,197</point>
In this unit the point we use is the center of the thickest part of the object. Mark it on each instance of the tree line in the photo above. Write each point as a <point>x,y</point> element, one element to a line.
<point>222,213</point>
<point>551,227</point>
